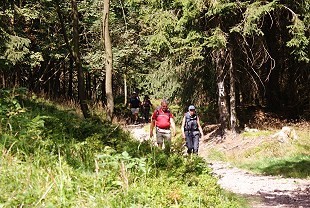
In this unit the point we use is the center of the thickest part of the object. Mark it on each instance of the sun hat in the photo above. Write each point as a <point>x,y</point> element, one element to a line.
<point>191,107</point>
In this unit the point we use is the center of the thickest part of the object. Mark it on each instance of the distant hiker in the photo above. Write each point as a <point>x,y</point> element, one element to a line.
<point>191,130</point>
<point>146,104</point>
<point>134,104</point>
<point>163,120</point>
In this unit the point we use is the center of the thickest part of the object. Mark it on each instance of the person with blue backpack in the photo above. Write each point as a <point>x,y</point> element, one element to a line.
<point>191,130</point>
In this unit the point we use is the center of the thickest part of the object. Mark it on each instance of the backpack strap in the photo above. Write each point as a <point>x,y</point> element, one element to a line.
<point>187,119</point>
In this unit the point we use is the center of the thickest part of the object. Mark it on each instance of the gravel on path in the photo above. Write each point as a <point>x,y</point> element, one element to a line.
<point>263,191</point>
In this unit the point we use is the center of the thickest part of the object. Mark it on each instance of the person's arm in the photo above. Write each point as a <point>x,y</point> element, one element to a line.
<point>182,127</point>
<point>152,127</point>
<point>130,103</point>
<point>199,127</point>
<point>172,124</point>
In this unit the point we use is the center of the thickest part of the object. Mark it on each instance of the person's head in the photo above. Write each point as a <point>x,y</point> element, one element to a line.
<point>192,109</point>
<point>134,94</point>
<point>146,97</point>
<point>164,105</point>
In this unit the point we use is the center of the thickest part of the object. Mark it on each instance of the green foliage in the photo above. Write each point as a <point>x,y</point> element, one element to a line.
<point>9,102</point>
<point>216,155</point>
<point>27,12</point>
<point>217,40</point>
<point>35,59</point>
<point>61,163</point>
<point>162,83</point>
<point>160,40</point>
<point>163,48</point>
<point>191,10</point>
<point>174,42</point>
<point>299,41</point>
<point>271,157</point>
<point>17,48</point>
<point>291,167</point>
<point>224,8</point>
<point>253,18</point>
<point>257,134</point>
<point>190,47</point>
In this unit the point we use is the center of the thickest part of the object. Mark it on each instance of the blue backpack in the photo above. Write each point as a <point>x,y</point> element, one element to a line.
<point>191,122</point>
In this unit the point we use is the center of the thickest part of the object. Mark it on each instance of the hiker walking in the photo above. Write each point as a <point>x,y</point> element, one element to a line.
<point>134,104</point>
<point>146,104</point>
<point>191,130</point>
<point>162,120</point>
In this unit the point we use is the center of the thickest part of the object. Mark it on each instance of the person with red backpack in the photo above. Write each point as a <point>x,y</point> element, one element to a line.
<point>163,120</point>
<point>191,130</point>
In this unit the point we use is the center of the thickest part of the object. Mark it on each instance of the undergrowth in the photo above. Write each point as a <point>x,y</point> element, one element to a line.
<point>275,158</point>
<point>270,156</point>
<point>51,157</point>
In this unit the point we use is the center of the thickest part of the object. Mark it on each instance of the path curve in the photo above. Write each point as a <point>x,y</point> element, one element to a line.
<point>261,191</point>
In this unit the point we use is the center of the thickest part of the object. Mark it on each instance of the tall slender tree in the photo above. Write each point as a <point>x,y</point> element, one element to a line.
<point>78,63</point>
<point>108,60</point>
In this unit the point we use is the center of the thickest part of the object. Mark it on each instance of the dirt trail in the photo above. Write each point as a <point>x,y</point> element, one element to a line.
<point>261,191</point>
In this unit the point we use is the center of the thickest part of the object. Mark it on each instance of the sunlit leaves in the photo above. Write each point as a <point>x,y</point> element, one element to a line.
<point>253,18</point>
<point>190,47</point>
<point>217,40</point>
<point>16,49</point>
<point>28,13</point>
<point>222,8</point>
<point>35,59</point>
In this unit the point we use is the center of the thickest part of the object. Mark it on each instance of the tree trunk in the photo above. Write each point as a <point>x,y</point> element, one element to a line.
<point>63,28</point>
<point>233,114</point>
<point>78,65</point>
<point>94,89</point>
<point>64,79</point>
<point>222,99</point>
<point>108,60</point>
<point>70,81</point>
<point>71,57</point>
<point>125,89</point>
<point>88,85</point>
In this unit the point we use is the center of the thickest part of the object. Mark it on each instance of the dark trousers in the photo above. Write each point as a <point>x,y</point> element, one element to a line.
<point>146,114</point>
<point>192,141</point>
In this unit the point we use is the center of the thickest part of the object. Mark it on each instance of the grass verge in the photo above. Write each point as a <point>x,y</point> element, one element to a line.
<point>51,157</point>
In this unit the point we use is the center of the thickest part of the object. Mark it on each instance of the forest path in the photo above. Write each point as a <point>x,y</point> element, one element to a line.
<point>261,191</point>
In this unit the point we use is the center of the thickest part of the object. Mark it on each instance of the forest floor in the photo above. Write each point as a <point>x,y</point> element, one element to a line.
<point>261,191</point>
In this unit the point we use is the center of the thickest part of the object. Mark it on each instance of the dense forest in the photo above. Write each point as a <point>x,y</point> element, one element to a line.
<point>218,54</point>
<point>235,60</point>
